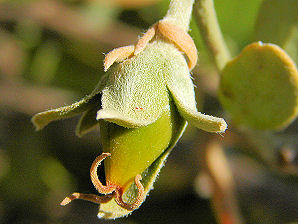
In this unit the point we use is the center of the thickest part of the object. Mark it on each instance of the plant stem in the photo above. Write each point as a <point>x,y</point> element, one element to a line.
<point>224,200</point>
<point>179,13</point>
<point>211,33</point>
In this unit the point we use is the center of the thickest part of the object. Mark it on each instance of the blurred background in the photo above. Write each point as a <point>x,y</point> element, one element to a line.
<point>51,55</point>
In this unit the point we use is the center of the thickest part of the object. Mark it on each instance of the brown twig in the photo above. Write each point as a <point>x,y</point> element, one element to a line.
<point>215,165</point>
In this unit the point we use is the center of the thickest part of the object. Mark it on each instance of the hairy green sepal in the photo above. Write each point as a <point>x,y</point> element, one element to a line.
<point>136,92</point>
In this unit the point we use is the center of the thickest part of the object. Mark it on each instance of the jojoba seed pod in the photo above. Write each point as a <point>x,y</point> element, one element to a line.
<point>134,149</point>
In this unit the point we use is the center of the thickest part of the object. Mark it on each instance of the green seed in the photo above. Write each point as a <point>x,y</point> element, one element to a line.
<point>134,149</point>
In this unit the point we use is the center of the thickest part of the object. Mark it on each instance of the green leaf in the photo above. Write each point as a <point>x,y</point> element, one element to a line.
<point>237,18</point>
<point>111,210</point>
<point>259,87</point>
<point>277,21</point>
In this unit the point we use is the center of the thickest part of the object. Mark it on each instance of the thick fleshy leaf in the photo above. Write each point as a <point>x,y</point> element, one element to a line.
<point>259,87</point>
<point>87,121</point>
<point>111,210</point>
<point>180,85</point>
<point>136,94</point>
